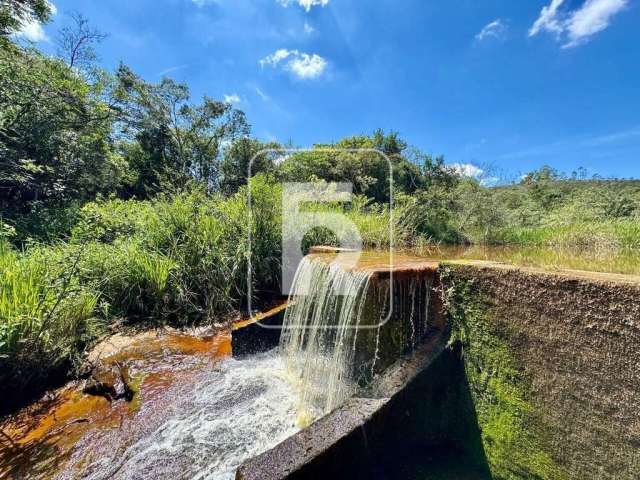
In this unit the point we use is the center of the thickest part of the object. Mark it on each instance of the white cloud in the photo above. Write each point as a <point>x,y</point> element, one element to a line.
<point>495,29</point>
<point>262,95</point>
<point>548,20</point>
<point>306,4</point>
<point>578,25</point>
<point>308,29</point>
<point>467,170</point>
<point>473,171</point>
<point>489,181</point>
<point>302,65</point>
<point>169,70</point>
<point>232,98</point>
<point>276,57</point>
<point>593,17</point>
<point>282,158</point>
<point>308,66</point>
<point>615,137</point>
<point>32,29</point>
<point>202,3</point>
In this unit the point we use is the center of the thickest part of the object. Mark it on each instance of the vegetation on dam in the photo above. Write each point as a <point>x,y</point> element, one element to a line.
<point>545,358</point>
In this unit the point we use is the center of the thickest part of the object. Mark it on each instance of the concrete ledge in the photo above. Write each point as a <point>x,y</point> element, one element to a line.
<point>571,338</point>
<point>316,447</point>
<point>556,353</point>
<point>598,277</point>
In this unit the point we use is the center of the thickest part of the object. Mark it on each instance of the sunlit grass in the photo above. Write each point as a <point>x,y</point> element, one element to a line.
<point>45,316</point>
<point>179,259</point>
<point>601,235</point>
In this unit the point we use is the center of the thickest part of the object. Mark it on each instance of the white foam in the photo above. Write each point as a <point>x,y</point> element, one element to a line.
<point>242,409</point>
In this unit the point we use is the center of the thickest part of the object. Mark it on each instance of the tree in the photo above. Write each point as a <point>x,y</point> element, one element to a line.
<point>479,214</point>
<point>16,13</point>
<point>76,42</point>
<point>543,188</point>
<point>177,141</point>
<point>244,155</point>
<point>389,144</point>
<point>355,160</point>
<point>54,132</point>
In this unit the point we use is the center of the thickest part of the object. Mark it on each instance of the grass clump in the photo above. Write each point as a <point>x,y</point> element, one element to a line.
<point>173,259</point>
<point>46,318</point>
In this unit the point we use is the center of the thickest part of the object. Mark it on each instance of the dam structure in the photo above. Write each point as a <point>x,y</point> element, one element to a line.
<point>462,369</point>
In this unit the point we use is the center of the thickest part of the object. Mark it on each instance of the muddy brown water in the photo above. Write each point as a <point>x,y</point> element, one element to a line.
<point>46,437</point>
<point>608,260</point>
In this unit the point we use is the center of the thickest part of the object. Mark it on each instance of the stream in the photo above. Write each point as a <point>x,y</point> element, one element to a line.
<point>197,413</point>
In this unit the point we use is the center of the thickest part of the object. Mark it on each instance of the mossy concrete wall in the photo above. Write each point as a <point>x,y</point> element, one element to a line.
<point>552,363</point>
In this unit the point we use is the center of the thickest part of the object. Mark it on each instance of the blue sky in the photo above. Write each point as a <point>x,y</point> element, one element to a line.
<point>500,84</point>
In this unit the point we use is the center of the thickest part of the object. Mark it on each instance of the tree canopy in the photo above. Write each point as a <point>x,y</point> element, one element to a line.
<point>16,13</point>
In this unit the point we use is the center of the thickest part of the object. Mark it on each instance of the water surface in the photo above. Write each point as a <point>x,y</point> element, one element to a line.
<point>551,258</point>
<point>197,413</point>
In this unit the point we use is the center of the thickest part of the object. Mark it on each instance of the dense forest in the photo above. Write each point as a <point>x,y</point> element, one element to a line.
<point>124,201</point>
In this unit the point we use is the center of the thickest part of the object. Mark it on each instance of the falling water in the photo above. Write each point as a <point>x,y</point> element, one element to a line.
<point>342,327</point>
<point>237,410</point>
<point>335,331</point>
<point>318,336</point>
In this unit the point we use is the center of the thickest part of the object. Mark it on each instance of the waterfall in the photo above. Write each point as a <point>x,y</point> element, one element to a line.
<point>318,336</point>
<point>342,325</point>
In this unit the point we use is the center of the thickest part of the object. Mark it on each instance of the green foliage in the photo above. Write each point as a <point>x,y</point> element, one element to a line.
<point>128,280</point>
<point>149,191</point>
<point>45,317</point>
<point>247,155</point>
<point>15,13</point>
<point>371,164</point>
<point>602,215</point>
<point>54,133</point>
<point>179,259</point>
<point>44,223</point>
<point>170,140</point>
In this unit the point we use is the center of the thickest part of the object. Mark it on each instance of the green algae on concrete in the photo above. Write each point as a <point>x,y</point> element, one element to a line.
<point>512,429</point>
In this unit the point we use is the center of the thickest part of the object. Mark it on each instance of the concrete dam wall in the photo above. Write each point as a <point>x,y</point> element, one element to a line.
<point>552,363</point>
<point>522,374</point>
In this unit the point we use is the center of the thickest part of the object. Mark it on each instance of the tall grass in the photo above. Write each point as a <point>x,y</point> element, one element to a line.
<point>45,318</point>
<point>179,259</point>
<point>611,235</point>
